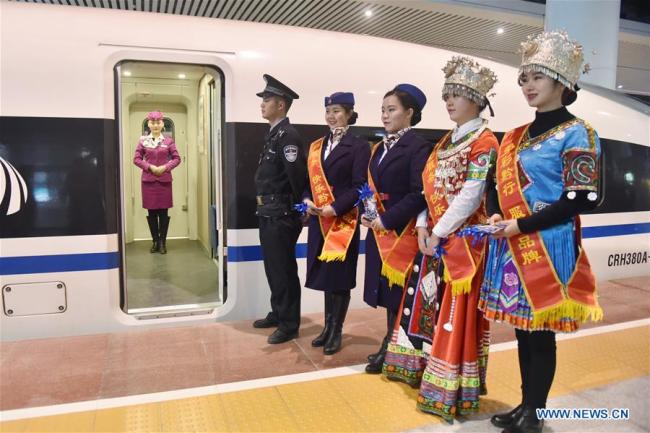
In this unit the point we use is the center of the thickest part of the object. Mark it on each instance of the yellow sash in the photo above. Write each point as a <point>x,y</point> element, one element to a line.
<point>337,231</point>
<point>396,251</point>
<point>461,257</point>
<point>549,299</point>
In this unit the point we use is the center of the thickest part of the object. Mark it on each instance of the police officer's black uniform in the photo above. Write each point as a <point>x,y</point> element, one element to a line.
<point>280,181</point>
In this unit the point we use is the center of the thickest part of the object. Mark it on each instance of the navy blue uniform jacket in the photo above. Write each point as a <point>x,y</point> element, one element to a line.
<point>346,170</point>
<point>399,176</point>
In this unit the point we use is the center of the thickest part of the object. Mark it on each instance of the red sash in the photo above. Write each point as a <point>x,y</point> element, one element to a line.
<point>337,231</point>
<point>396,251</point>
<point>549,299</point>
<point>461,258</point>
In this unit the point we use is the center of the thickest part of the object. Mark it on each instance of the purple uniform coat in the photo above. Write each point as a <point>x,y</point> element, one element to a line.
<point>399,176</point>
<point>156,190</point>
<point>346,170</point>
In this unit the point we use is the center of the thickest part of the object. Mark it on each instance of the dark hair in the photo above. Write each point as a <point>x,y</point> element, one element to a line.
<point>288,103</point>
<point>349,109</point>
<point>407,102</point>
<point>568,96</point>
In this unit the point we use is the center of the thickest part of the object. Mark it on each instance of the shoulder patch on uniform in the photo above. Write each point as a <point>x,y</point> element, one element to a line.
<point>290,152</point>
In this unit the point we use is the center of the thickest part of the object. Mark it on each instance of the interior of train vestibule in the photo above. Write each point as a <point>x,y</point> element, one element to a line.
<point>189,277</point>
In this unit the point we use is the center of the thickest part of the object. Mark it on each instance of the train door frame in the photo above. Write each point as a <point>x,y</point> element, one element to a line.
<point>217,171</point>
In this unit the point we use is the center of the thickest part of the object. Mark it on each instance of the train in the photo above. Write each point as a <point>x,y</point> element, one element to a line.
<point>75,86</point>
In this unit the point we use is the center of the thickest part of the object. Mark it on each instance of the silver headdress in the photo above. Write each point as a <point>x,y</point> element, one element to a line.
<point>554,55</point>
<point>465,77</point>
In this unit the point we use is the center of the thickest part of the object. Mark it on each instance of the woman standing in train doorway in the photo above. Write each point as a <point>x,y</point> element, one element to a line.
<point>395,177</point>
<point>337,165</point>
<point>444,350</point>
<point>157,156</point>
<point>538,278</point>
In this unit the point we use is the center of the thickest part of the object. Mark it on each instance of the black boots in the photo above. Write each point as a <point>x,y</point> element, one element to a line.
<point>376,360</point>
<point>336,308</point>
<point>526,422</point>
<point>158,226</point>
<point>153,228</point>
<point>327,329</point>
<point>162,242</point>
<point>340,303</point>
<point>506,419</point>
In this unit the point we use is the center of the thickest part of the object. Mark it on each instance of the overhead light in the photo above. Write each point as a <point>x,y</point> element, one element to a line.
<point>127,73</point>
<point>181,76</point>
<point>368,13</point>
<point>620,86</point>
<point>500,31</point>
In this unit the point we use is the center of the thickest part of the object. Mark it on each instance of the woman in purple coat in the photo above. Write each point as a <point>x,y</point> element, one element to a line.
<point>395,171</point>
<point>157,156</point>
<point>337,169</point>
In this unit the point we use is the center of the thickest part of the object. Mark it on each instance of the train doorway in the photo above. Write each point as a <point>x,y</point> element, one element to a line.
<point>189,278</point>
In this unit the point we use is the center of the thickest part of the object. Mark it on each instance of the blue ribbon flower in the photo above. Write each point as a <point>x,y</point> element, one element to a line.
<point>301,208</point>
<point>474,232</point>
<point>365,192</point>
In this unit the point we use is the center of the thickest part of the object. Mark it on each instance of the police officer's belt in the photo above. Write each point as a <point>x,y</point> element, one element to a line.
<point>273,198</point>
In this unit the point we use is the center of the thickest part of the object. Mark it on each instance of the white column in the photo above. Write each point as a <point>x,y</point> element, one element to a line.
<point>593,23</point>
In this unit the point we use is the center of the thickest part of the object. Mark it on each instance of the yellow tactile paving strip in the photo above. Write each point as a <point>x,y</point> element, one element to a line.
<point>357,403</point>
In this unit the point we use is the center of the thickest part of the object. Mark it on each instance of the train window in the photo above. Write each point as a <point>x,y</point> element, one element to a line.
<point>172,225</point>
<point>625,178</point>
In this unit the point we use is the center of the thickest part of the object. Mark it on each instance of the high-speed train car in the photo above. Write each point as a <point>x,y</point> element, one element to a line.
<point>76,85</point>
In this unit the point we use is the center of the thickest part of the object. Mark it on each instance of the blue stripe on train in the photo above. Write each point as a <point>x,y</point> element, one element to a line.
<point>101,261</point>
<point>59,263</point>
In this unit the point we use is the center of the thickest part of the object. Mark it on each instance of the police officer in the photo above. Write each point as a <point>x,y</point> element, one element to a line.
<point>280,181</point>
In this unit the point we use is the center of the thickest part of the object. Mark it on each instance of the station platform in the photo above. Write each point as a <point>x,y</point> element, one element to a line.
<point>224,377</point>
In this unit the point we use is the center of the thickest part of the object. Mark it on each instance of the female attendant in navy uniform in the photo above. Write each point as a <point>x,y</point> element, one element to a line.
<point>280,182</point>
<point>157,156</point>
<point>395,175</point>
<point>444,350</point>
<point>337,165</point>
<point>538,278</point>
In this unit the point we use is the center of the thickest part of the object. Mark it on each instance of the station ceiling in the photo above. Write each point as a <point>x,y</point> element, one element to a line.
<point>490,30</point>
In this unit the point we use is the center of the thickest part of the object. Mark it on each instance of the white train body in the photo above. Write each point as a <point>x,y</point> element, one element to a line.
<point>60,63</point>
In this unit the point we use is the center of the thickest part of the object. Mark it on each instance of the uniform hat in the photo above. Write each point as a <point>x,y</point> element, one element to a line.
<point>554,55</point>
<point>465,77</point>
<point>276,88</point>
<point>416,93</point>
<point>346,98</point>
<point>155,115</point>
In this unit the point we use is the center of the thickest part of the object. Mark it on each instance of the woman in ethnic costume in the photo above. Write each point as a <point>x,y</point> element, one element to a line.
<point>337,166</point>
<point>394,174</point>
<point>538,278</point>
<point>157,156</point>
<point>452,369</point>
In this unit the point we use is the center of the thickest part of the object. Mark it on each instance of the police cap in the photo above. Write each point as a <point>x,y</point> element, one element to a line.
<point>276,88</point>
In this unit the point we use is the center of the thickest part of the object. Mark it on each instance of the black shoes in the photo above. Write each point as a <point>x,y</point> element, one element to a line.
<point>279,336</point>
<point>327,329</point>
<point>505,419</point>
<point>340,303</point>
<point>526,422</point>
<point>267,322</point>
